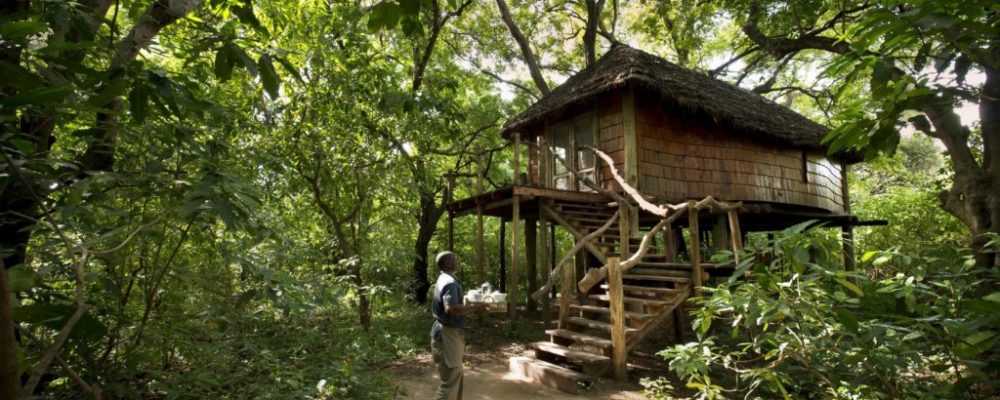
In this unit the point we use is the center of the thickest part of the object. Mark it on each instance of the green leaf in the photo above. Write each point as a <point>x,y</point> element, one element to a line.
<point>23,145</point>
<point>850,286</point>
<point>225,212</point>
<point>384,15</point>
<point>976,343</point>
<point>848,320</point>
<point>21,279</point>
<point>412,7</point>
<point>287,65</point>
<point>18,76</point>
<point>108,92</point>
<point>994,297</point>
<point>20,29</point>
<point>138,102</point>
<point>39,96</point>
<point>246,16</point>
<point>868,256</point>
<point>55,316</point>
<point>224,63</point>
<point>881,73</point>
<point>268,76</point>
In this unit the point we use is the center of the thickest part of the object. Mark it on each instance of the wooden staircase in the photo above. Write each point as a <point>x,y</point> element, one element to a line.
<point>580,348</point>
<point>641,287</point>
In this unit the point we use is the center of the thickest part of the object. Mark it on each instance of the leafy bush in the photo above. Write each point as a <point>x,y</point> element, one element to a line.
<point>802,327</point>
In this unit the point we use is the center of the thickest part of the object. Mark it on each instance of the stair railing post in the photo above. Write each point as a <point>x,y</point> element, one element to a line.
<point>734,234</point>
<point>545,266</point>
<point>513,300</point>
<point>619,345</point>
<point>624,230</point>
<point>565,293</point>
<point>696,270</point>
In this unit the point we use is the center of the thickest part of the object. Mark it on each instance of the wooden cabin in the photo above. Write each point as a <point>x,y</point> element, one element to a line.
<point>625,155</point>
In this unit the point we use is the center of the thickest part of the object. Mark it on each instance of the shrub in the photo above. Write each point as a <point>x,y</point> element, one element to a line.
<point>802,327</point>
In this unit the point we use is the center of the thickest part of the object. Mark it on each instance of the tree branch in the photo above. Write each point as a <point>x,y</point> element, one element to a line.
<point>526,52</point>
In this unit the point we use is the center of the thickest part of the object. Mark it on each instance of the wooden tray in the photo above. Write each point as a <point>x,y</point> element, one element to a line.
<point>493,307</point>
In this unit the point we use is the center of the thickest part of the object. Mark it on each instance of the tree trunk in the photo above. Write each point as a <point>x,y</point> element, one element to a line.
<point>10,383</point>
<point>430,213</point>
<point>364,303</point>
<point>594,8</point>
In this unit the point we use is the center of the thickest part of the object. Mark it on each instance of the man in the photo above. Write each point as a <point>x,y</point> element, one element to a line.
<point>447,342</point>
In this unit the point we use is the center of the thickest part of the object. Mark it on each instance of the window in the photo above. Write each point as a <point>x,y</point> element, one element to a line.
<point>569,140</point>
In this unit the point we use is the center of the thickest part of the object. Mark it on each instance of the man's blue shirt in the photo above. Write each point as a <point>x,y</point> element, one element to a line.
<point>447,290</point>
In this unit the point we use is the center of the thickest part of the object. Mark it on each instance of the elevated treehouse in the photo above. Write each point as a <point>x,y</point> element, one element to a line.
<point>624,156</point>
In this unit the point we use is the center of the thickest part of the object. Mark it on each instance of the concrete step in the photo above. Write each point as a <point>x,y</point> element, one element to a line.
<point>549,374</point>
<point>594,365</point>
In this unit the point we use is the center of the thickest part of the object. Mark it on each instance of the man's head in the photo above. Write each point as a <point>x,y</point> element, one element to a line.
<point>447,261</point>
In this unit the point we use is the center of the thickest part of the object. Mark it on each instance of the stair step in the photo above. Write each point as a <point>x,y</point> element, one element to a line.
<point>551,375</point>
<point>580,337</point>
<point>637,316</point>
<point>660,272</point>
<point>634,300</point>
<point>648,290</point>
<point>687,266</point>
<point>569,354</point>
<point>606,326</point>
<point>661,278</point>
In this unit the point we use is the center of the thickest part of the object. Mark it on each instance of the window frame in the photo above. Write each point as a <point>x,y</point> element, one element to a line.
<point>572,152</point>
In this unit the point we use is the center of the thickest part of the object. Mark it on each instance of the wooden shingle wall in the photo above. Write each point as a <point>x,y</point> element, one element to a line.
<point>682,158</point>
<point>611,137</point>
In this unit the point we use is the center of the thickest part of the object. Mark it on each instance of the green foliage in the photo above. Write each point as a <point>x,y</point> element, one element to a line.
<point>801,327</point>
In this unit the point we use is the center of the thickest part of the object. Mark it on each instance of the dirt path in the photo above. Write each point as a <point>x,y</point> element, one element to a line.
<point>490,344</point>
<point>486,378</point>
<point>492,382</point>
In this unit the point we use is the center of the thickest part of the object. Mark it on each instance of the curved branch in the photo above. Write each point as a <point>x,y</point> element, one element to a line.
<point>553,276</point>
<point>529,56</point>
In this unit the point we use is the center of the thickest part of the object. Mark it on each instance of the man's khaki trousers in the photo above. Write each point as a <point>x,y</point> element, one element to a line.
<point>448,353</point>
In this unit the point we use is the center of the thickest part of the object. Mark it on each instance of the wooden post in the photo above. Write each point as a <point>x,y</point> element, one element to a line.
<point>545,267</point>
<point>670,243</point>
<point>531,260</point>
<point>619,346</point>
<point>451,215</point>
<point>847,231</point>
<point>565,292</point>
<point>552,251</point>
<point>624,231</point>
<point>503,257</point>
<point>720,235</point>
<point>735,235</point>
<point>695,250</point>
<point>515,234</point>
<point>480,249</point>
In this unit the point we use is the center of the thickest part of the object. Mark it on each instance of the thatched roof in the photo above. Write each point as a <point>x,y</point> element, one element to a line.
<point>726,104</point>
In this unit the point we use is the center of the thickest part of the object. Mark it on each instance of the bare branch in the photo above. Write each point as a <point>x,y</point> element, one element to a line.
<point>526,52</point>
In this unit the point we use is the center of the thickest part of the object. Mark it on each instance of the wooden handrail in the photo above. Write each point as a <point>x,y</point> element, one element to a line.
<point>576,234</point>
<point>580,243</point>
